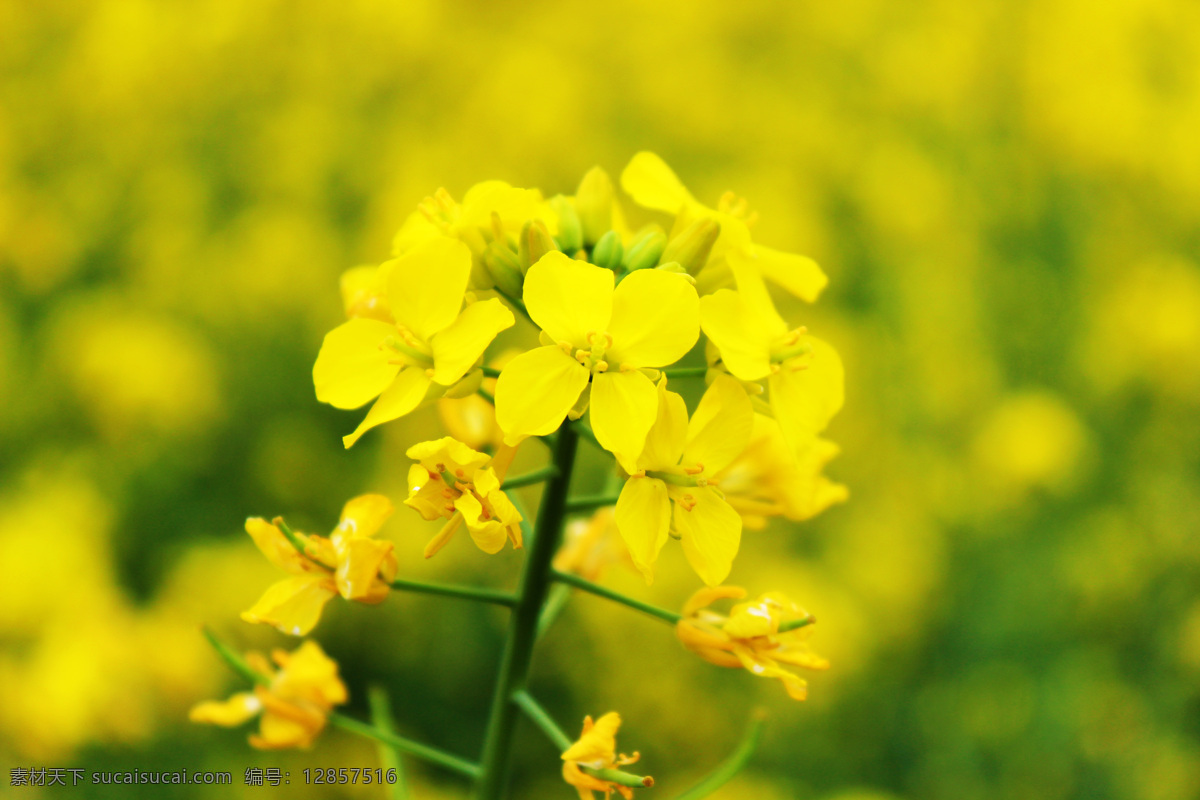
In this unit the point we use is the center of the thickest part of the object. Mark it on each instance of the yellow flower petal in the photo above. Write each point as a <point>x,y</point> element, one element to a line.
<point>568,298</point>
<point>598,742</point>
<point>457,347</point>
<point>364,515</point>
<point>489,534</point>
<point>655,319</point>
<point>720,429</point>
<point>358,567</point>
<point>710,531</point>
<point>426,285</point>
<point>278,732</point>
<point>293,605</point>
<point>535,391</point>
<point>705,597</point>
<point>275,546</point>
<point>651,183</point>
<point>745,345</point>
<point>234,711</point>
<point>643,517</point>
<point>804,400</point>
<point>352,368</point>
<point>623,407</point>
<point>665,441</point>
<point>799,275</point>
<point>405,394</point>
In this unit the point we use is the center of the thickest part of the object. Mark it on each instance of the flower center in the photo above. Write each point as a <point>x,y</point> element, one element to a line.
<point>790,348</point>
<point>592,356</point>
<point>410,350</point>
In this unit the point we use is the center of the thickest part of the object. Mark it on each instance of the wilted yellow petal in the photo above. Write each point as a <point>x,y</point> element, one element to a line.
<point>234,711</point>
<point>568,298</point>
<point>405,394</point>
<point>535,391</point>
<point>426,285</point>
<point>352,367</point>
<point>489,534</point>
<point>623,407</point>
<point>705,597</point>
<point>358,567</point>
<point>598,742</point>
<point>720,429</point>
<point>655,319</point>
<point>651,183</point>
<point>459,346</point>
<point>664,442</point>
<point>805,400</point>
<point>643,517</point>
<point>293,605</point>
<point>710,531</point>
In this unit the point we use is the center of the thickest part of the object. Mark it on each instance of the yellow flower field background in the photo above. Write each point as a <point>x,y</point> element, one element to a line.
<point>1006,200</point>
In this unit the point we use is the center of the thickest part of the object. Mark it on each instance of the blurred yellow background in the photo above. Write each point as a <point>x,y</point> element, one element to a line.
<point>1005,196</point>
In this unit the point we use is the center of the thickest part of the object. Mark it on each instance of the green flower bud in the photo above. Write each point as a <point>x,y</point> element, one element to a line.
<point>570,230</point>
<point>692,247</point>
<point>608,251</point>
<point>504,267</point>
<point>645,249</point>
<point>593,203</point>
<point>535,242</point>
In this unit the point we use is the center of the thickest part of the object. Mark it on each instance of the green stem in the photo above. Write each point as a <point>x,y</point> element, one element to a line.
<point>514,302</point>
<point>234,660</point>
<point>732,765</point>
<point>587,586</point>
<point>422,751</point>
<point>539,717</point>
<point>389,756</point>
<point>588,502</point>
<point>490,372</point>
<point>298,543</point>
<point>493,596</point>
<point>794,624</point>
<point>522,632</point>
<point>486,395</point>
<point>530,478</point>
<point>559,596</point>
<point>686,372</point>
<point>583,430</point>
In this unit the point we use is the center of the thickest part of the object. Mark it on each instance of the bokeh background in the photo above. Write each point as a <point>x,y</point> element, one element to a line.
<point>1005,196</point>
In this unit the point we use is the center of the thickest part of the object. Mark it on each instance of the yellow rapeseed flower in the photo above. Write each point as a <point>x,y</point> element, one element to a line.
<point>598,340</point>
<point>463,485</point>
<point>749,637</point>
<point>430,341</point>
<point>678,464</point>
<point>652,184</point>
<point>349,562</point>
<point>597,748</point>
<point>293,706</point>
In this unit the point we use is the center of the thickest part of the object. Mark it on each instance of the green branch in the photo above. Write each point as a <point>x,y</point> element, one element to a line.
<point>559,596</point>
<point>686,372</point>
<point>494,596</point>
<point>486,395</point>
<point>608,594</point>
<point>732,765</point>
<point>588,502</point>
<point>234,660</point>
<point>794,624</point>
<point>490,372</point>
<point>389,756</point>
<point>422,751</point>
<point>584,431</point>
<point>298,543</point>
<point>530,478</point>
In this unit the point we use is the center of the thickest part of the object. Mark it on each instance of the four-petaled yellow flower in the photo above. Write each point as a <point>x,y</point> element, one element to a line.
<point>294,704</point>
<point>678,464</point>
<point>652,184</point>
<point>349,562</point>
<point>769,480</point>
<point>597,748</point>
<point>600,338</point>
<point>453,481</point>
<point>803,373</point>
<point>749,637</point>
<point>428,346</point>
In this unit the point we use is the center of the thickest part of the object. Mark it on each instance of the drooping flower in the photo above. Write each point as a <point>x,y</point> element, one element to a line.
<point>350,562</point>
<point>676,469</point>
<point>652,184</point>
<point>598,340</point>
<point>769,480</point>
<point>463,485</point>
<point>755,635</point>
<point>596,748</point>
<point>293,705</point>
<point>430,342</point>
<point>748,338</point>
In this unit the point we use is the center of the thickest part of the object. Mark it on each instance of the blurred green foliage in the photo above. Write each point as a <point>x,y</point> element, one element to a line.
<point>1004,194</point>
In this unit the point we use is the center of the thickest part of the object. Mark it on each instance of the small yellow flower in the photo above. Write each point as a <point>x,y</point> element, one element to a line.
<point>591,546</point>
<point>453,481</point>
<point>599,339</point>
<point>293,706</point>
<point>349,562</point>
<point>677,468</point>
<point>430,342</point>
<point>804,374</point>
<point>652,184</point>
<point>769,480</point>
<point>597,748</point>
<point>749,636</point>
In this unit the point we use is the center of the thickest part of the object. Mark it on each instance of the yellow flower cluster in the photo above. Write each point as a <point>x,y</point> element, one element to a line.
<point>596,748</point>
